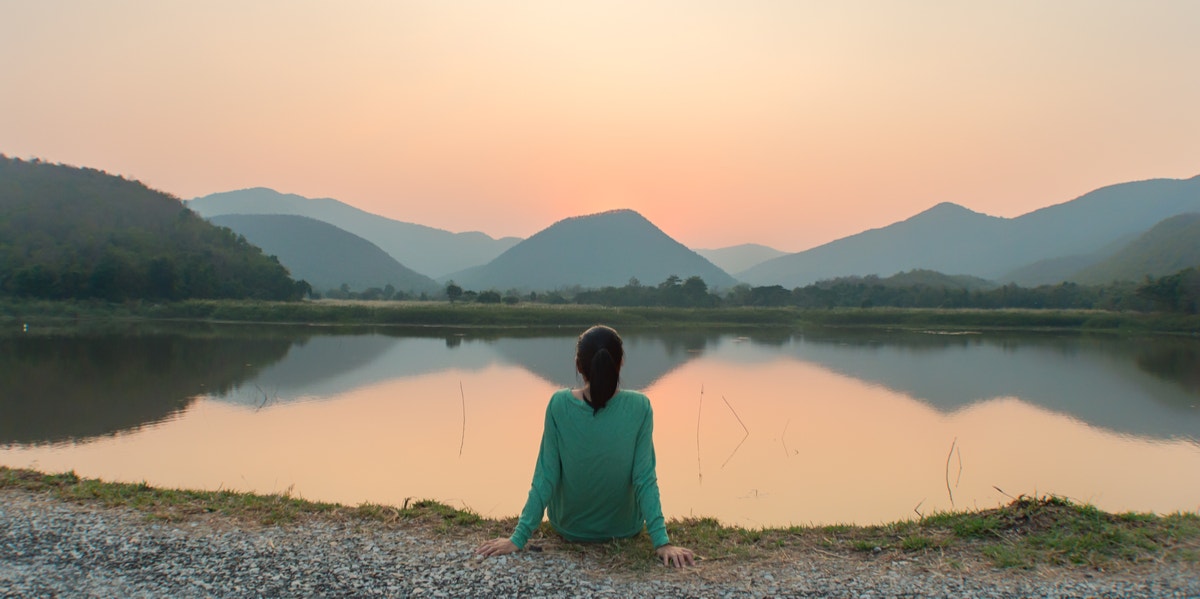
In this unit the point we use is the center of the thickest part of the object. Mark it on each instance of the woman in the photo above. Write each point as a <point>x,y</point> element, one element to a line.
<point>595,469</point>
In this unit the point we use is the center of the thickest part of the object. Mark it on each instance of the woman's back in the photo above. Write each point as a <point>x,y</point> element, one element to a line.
<point>595,467</point>
<point>605,462</point>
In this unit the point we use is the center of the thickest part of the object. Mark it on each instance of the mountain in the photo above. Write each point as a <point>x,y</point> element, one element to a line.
<point>1052,271</point>
<point>934,279</point>
<point>323,254</point>
<point>1169,247</point>
<point>68,232</point>
<point>740,257</point>
<point>427,250</point>
<point>951,239</point>
<point>946,238</point>
<point>598,250</point>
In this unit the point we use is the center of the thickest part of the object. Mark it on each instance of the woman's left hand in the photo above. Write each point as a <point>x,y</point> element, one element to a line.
<point>494,547</point>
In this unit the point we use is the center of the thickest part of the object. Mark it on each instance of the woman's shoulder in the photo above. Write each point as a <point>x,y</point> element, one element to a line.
<point>633,393</point>
<point>564,398</point>
<point>636,398</point>
<point>561,395</point>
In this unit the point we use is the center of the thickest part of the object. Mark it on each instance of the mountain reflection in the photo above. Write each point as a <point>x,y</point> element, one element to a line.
<point>1144,387</point>
<point>73,387</point>
<point>327,366</point>
<point>58,388</point>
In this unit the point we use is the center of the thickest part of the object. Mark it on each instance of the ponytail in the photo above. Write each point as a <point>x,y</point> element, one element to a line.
<point>598,357</point>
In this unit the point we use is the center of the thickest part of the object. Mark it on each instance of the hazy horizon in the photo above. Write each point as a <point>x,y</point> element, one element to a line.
<point>787,124</point>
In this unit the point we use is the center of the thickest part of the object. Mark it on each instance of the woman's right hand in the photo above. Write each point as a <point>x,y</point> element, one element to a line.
<point>675,556</point>
<point>494,547</point>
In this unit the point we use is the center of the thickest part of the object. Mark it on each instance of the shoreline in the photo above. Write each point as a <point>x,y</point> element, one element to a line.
<point>69,537</point>
<point>333,313</point>
<point>1017,536</point>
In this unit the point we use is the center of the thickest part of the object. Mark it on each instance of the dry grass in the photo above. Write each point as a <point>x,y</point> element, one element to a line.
<point>1030,532</point>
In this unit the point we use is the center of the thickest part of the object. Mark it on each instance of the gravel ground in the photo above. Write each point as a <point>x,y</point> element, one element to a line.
<point>54,548</point>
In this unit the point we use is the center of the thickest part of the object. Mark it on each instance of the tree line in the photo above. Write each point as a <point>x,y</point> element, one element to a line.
<point>1177,293</point>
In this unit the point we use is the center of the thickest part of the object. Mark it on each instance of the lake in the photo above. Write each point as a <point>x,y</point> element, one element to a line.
<point>756,428</point>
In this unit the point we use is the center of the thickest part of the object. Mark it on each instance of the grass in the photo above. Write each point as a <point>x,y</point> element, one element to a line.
<point>572,315</point>
<point>1029,532</point>
<point>250,508</point>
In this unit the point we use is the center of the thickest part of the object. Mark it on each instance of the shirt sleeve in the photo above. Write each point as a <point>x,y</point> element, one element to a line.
<point>546,474</point>
<point>645,482</point>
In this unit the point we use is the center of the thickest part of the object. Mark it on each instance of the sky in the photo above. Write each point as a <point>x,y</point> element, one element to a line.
<point>783,122</point>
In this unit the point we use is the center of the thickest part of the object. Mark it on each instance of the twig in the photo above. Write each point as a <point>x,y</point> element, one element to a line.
<point>265,398</point>
<point>699,408</point>
<point>735,415</point>
<point>463,438</point>
<point>917,508</point>
<point>1003,493</point>
<point>783,438</point>
<point>957,479</point>
<point>744,437</point>
<point>953,444</point>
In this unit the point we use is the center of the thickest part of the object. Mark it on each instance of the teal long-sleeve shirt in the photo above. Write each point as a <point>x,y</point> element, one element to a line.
<point>595,473</point>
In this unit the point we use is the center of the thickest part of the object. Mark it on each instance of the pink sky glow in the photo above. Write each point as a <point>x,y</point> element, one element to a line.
<point>788,123</point>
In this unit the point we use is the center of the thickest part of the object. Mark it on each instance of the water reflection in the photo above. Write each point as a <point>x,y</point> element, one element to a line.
<point>328,366</point>
<point>1100,380</point>
<point>791,427</point>
<point>62,388</point>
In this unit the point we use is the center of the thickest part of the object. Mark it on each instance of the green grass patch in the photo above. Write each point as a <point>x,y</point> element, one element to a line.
<point>1029,532</point>
<point>433,313</point>
<point>177,505</point>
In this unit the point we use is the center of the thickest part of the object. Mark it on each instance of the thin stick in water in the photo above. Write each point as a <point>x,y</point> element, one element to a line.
<point>462,439</point>
<point>953,444</point>
<point>783,438</point>
<point>735,415</point>
<point>958,479</point>
<point>699,408</point>
<point>744,437</point>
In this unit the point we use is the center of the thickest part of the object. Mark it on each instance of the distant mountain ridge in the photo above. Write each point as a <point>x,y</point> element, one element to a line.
<point>429,251</point>
<point>952,239</point>
<point>740,257</point>
<point>324,255</point>
<point>598,250</point>
<point>1169,247</point>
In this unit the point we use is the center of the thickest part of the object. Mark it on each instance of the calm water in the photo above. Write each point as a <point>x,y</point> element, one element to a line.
<point>765,428</point>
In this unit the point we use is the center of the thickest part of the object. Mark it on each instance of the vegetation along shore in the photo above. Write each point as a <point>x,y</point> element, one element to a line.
<point>433,313</point>
<point>1032,545</point>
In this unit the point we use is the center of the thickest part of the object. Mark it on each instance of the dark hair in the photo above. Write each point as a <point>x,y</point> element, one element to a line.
<point>598,356</point>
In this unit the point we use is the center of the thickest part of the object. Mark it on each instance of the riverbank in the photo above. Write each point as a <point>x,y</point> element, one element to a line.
<point>329,312</point>
<point>65,536</point>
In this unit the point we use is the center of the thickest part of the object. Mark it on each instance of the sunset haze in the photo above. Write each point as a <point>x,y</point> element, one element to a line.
<point>783,123</point>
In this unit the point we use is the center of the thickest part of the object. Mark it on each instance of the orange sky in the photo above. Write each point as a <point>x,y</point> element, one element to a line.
<point>782,122</point>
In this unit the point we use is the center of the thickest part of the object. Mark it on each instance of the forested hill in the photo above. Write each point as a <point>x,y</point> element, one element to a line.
<point>326,256</point>
<point>1167,248</point>
<point>68,232</point>
<point>597,250</point>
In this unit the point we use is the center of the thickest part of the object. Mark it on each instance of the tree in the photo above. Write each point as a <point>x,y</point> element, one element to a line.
<point>453,292</point>
<point>695,292</point>
<point>304,289</point>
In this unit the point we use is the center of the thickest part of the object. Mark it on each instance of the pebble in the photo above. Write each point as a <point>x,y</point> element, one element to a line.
<point>53,548</point>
